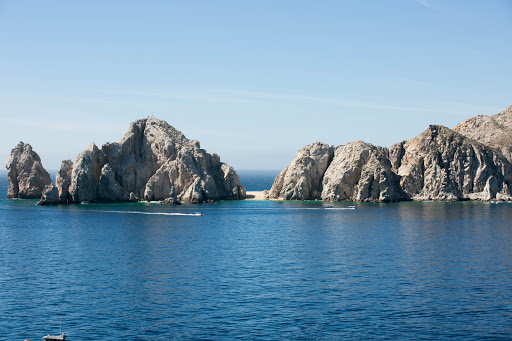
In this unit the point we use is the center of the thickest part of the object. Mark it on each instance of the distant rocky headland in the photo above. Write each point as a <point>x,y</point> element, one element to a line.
<point>470,162</point>
<point>153,161</point>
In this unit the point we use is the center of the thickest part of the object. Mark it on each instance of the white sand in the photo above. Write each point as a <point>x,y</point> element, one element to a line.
<point>255,195</point>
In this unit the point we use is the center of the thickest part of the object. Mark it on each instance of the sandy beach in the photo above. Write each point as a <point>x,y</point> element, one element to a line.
<point>255,195</point>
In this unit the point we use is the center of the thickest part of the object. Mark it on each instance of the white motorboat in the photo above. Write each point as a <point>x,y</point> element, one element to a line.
<point>60,337</point>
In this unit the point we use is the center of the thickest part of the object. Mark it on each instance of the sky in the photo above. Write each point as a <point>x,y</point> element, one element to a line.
<point>253,81</point>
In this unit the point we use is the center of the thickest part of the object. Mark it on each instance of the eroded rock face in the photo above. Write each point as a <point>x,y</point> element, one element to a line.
<point>494,131</point>
<point>361,172</point>
<point>439,164</point>
<point>85,175</point>
<point>59,193</point>
<point>50,196</point>
<point>27,176</point>
<point>63,181</point>
<point>302,179</point>
<point>153,161</point>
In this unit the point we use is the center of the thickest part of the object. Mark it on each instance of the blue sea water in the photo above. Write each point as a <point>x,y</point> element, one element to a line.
<point>257,180</point>
<point>256,270</point>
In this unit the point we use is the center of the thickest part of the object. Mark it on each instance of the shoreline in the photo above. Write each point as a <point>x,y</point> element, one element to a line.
<point>256,195</point>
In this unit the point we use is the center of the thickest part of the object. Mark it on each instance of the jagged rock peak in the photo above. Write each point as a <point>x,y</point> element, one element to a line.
<point>154,129</point>
<point>494,131</point>
<point>153,161</point>
<point>26,175</point>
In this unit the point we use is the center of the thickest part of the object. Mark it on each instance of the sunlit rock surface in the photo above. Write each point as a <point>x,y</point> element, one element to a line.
<point>153,161</point>
<point>471,162</point>
<point>26,175</point>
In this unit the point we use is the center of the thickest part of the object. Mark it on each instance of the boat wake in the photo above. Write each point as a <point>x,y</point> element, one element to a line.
<point>321,208</point>
<point>340,208</point>
<point>197,214</point>
<point>286,208</point>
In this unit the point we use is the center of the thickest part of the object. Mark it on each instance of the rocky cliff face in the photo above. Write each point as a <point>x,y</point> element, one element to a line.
<point>153,161</point>
<point>302,179</point>
<point>494,131</point>
<point>63,181</point>
<point>360,172</point>
<point>440,164</point>
<point>27,176</point>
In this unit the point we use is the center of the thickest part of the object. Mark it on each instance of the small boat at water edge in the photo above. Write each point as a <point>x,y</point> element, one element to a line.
<point>496,202</point>
<point>85,202</point>
<point>60,337</point>
<point>331,207</point>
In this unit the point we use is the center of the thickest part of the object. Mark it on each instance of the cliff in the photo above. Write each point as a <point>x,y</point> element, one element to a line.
<point>361,172</point>
<point>494,131</point>
<point>302,179</point>
<point>27,176</point>
<point>153,161</point>
<point>440,164</point>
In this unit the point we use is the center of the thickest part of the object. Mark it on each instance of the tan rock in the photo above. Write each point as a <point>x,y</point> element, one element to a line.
<point>50,196</point>
<point>26,175</point>
<point>153,161</point>
<point>494,131</point>
<point>85,175</point>
<point>441,164</point>
<point>361,172</point>
<point>302,179</point>
<point>63,181</point>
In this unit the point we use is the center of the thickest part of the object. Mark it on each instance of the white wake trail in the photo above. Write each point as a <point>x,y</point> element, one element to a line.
<point>150,213</point>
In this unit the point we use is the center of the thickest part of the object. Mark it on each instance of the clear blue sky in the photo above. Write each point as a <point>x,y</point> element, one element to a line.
<point>253,81</point>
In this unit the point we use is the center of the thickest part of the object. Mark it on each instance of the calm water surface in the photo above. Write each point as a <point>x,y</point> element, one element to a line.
<point>256,270</point>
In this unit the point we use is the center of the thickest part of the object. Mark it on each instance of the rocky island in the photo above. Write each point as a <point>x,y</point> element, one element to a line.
<point>27,176</point>
<point>153,161</point>
<point>469,162</point>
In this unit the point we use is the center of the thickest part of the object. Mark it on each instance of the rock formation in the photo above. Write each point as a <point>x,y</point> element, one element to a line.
<point>494,131</point>
<point>63,181</point>
<point>440,164</point>
<point>59,193</point>
<point>27,176</point>
<point>153,161</point>
<point>302,179</point>
<point>50,196</point>
<point>361,172</point>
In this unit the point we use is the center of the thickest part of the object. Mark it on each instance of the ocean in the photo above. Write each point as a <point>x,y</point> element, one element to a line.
<point>256,270</point>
